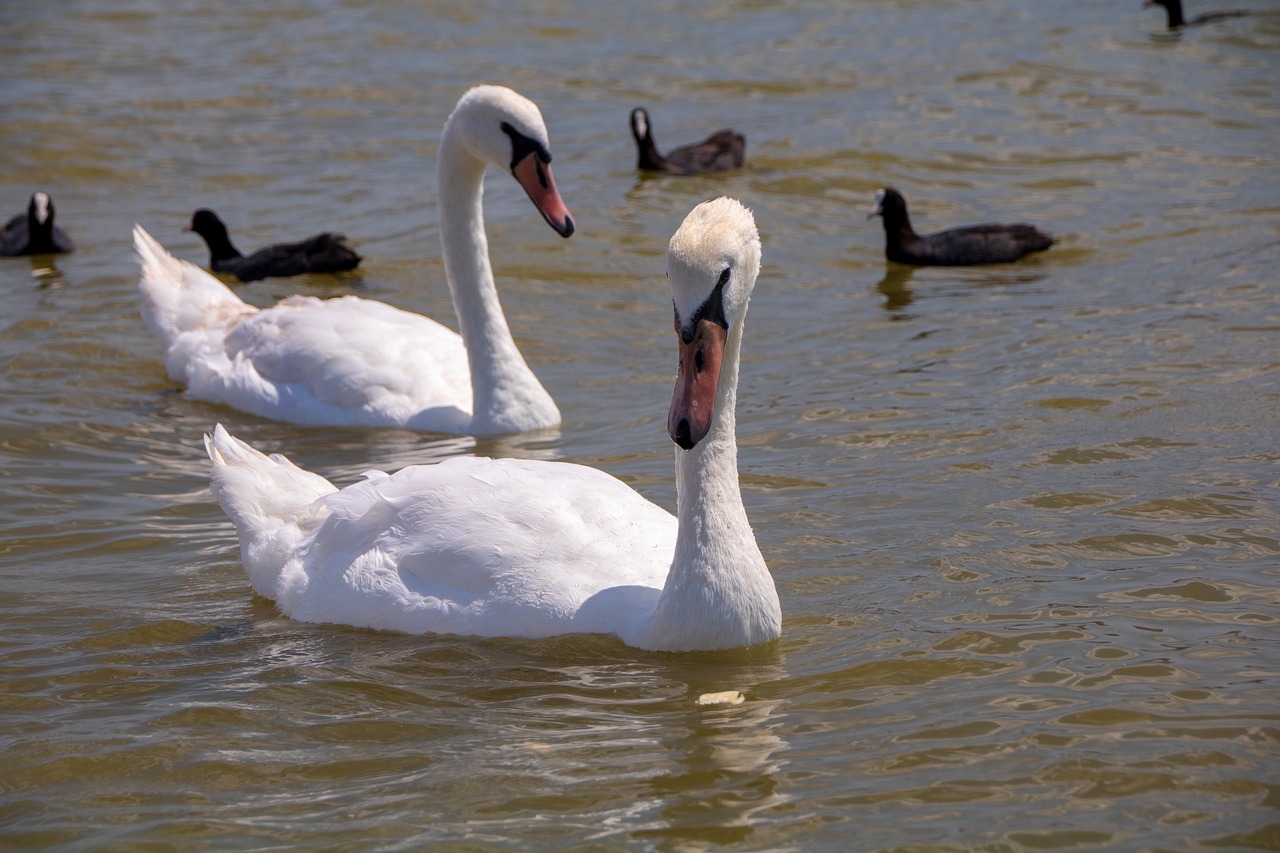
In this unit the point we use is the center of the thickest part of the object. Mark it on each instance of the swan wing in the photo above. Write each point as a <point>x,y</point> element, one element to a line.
<point>336,362</point>
<point>484,547</point>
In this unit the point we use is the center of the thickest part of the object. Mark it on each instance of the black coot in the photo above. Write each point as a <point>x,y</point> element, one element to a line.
<point>1173,8</point>
<point>719,152</point>
<point>33,232</point>
<point>967,246</point>
<point>322,253</point>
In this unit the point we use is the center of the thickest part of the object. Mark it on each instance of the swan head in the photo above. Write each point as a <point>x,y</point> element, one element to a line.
<point>712,264</point>
<point>504,129</point>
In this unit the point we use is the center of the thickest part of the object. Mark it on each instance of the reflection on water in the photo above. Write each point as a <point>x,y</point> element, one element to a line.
<point>724,777</point>
<point>1022,518</point>
<point>894,286</point>
<point>44,269</point>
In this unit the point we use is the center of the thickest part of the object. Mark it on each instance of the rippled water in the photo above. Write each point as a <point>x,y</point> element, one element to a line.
<point>1023,519</point>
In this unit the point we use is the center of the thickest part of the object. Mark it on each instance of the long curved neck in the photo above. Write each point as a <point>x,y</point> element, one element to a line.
<point>719,593</point>
<point>506,396</point>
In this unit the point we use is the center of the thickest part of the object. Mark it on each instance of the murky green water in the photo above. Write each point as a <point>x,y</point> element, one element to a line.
<point>1023,520</point>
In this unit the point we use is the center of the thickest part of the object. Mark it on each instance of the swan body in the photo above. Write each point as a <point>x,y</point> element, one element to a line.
<point>519,548</point>
<point>352,361</point>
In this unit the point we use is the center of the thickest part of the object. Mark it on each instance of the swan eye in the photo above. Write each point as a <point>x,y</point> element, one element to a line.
<point>724,278</point>
<point>522,146</point>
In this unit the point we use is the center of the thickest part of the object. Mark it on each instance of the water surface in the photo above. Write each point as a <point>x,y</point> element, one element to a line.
<point>1023,519</point>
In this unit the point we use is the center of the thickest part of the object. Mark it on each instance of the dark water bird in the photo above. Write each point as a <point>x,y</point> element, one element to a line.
<point>322,253</point>
<point>33,232</point>
<point>966,246</point>
<point>1173,8</point>
<point>721,151</point>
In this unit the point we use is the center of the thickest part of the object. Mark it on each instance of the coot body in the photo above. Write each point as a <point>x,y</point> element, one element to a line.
<point>967,246</point>
<point>1173,10</point>
<point>321,253</point>
<point>721,151</point>
<point>33,232</point>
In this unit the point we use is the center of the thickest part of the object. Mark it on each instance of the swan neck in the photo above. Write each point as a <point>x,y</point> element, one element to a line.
<point>719,593</point>
<point>707,474</point>
<point>506,396</point>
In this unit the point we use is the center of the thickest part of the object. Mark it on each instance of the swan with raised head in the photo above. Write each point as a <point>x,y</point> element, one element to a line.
<point>352,361</point>
<point>517,548</point>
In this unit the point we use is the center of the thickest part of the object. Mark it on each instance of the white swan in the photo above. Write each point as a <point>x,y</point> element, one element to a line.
<point>517,548</point>
<point>351,361</point>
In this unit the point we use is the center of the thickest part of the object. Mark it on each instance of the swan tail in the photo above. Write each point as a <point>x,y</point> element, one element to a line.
<point>177,295</point>
<point>260,490</point>
<point>271,501</point>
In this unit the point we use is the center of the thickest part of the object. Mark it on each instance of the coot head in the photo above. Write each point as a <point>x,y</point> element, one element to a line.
<point>639,123</point>
<point>889,203</point>
<point>206,223</point>
<point>40,209</point>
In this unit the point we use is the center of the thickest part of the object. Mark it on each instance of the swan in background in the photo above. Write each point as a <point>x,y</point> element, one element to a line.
<point>352,361</point>
<point>520,548</point>
<point>325,252</point>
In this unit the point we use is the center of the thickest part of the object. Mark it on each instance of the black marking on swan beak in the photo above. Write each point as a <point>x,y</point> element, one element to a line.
<point>712,311</point>
<point>683,436</point>
<point>522,146</point>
